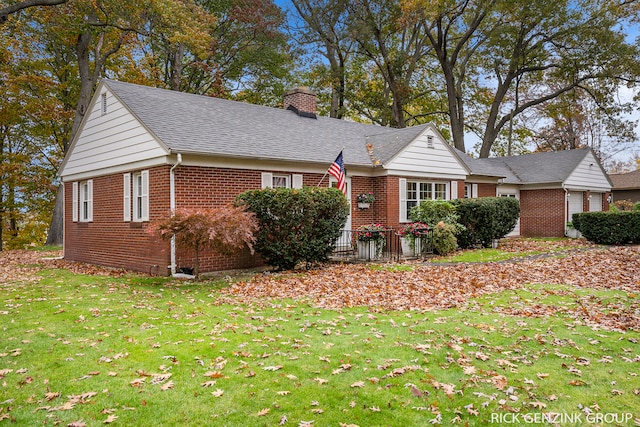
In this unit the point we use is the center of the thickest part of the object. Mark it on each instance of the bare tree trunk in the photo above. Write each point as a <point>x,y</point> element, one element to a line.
<point>55,237</point>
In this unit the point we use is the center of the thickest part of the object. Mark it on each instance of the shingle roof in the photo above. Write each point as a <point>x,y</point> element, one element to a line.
<point>536,168</point>
<point>198,124</point>
<point>626,181</point>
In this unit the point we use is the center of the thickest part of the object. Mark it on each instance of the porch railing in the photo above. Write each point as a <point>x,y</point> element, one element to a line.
<point>386,247</point>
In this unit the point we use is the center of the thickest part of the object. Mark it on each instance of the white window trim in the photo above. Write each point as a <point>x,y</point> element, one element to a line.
<point>126,200</point>
<point>86,200</point>
<point>75,194</point>
<point>142,196</point>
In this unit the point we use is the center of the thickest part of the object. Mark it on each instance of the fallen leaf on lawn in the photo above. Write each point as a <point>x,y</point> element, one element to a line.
<point>264,412</point>
<point>209,383</point>
<point>79,423</point>
<point>217,393</point>
<point>374,409</point>
<point>617,392</point>
<point>348,425</point>
<point>541,375</point>
<point>358,384</point>
<point>214,374</point>
<point>577,383</point>
<point>283,420</point>
<point>137,382</point>
<point>166,386</point>
<point>283,392</point>
<point>499,381</point>
<point>317,411</point>
<point>320,381</point>
<point>110,419</point>
<point>538,405</point>
<point>272,368</point>
<point>51,395</point>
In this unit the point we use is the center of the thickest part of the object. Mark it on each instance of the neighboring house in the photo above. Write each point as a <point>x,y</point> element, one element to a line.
<point>626,186</point>
<point>141,152</point>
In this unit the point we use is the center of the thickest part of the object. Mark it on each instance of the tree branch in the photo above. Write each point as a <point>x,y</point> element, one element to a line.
<point>14,8</point>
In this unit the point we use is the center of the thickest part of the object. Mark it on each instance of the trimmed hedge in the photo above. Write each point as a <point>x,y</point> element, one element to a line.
<point>485,219</point>
<point>608,228</point>
<point>296,225</point>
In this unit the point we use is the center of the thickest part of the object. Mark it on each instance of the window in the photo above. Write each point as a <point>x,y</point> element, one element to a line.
<point>414,192</point>
<point>280,181</point>
<point>82,203</point>
<point>141,196</point>
<point>271,180</point>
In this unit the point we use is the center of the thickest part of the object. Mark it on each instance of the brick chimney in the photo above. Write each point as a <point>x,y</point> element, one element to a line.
<point>302,101</point>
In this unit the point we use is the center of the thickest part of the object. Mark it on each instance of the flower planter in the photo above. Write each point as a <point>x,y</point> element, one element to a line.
<point>410,250</point>
<point>369,250</point>
<point>573,233</point>
<point>363,205</point>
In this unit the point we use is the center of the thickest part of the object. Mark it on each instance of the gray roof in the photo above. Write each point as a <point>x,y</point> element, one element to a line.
<point>535,168</point>
<point>188,123</point>
<point>626,181</point>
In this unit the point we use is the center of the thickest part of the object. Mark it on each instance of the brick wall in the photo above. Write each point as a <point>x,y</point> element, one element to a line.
<point>485,190</point>
<point>542,213</point>
<point>109,240</point>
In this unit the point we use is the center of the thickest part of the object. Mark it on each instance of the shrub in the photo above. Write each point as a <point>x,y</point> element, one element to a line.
<point>485,219</point>
<point>296,225</point>
<point>621,205</point>
<point>444,239</point>
<point>636,207</point>
<point>431,212</point>
<point>225,229</point>
<point>609,228</point>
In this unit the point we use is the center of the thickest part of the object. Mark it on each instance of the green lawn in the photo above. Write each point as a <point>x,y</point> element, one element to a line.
<point>133,351</point>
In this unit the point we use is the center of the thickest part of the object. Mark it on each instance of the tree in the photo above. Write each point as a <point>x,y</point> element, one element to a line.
<point>327,27</point>
<point>224,229</point>
<point>396,52</point>
<point>527,53</point>
<point>22,5</point>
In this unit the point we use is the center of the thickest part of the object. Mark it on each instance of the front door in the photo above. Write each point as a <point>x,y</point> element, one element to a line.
<point>344,243</point>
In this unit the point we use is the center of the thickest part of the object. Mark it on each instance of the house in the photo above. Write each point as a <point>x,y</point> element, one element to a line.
<point>141,152</point>
<point>551,187</point>
<point>626,186</point>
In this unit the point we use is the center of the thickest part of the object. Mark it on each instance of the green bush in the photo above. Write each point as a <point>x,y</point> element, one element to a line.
<point>485,219</point>
<point>296,225</point>
<point>636,207</point>
<point>431,212</point>
<point>609,228</point>
<point>444,238</point>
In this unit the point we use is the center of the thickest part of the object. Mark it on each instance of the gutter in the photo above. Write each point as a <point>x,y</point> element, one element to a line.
<point>172,205</point>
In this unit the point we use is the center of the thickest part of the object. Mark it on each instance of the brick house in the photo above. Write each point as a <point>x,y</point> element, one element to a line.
<point>626,186</point>
<point>143,151</point>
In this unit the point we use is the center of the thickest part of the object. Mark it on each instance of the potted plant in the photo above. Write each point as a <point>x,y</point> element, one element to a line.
<point>571,231</point>
<point>370,240</point>
<point>365,200</point>
<point>411,237</point>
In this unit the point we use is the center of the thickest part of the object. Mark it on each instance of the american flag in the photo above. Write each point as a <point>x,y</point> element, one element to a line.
<point>337,171</point>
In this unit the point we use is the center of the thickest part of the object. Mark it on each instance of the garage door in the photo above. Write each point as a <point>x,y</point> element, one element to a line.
<point>595,202</point>
<point>575,203</point>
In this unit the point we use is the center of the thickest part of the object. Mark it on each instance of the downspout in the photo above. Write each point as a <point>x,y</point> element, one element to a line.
<point>172,205</point>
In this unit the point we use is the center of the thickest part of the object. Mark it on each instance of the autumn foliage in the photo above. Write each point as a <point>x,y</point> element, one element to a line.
<point>224,229</point>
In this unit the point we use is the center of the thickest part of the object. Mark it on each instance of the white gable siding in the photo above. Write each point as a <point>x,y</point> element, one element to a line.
<point>588,176</point>
<point>418,159</point>
<point>110,139</point>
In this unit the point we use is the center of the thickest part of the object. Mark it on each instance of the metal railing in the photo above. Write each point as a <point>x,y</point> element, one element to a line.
<point>384,245</point>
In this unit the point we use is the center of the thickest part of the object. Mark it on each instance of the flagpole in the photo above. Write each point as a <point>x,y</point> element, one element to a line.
<point>327,171</point>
